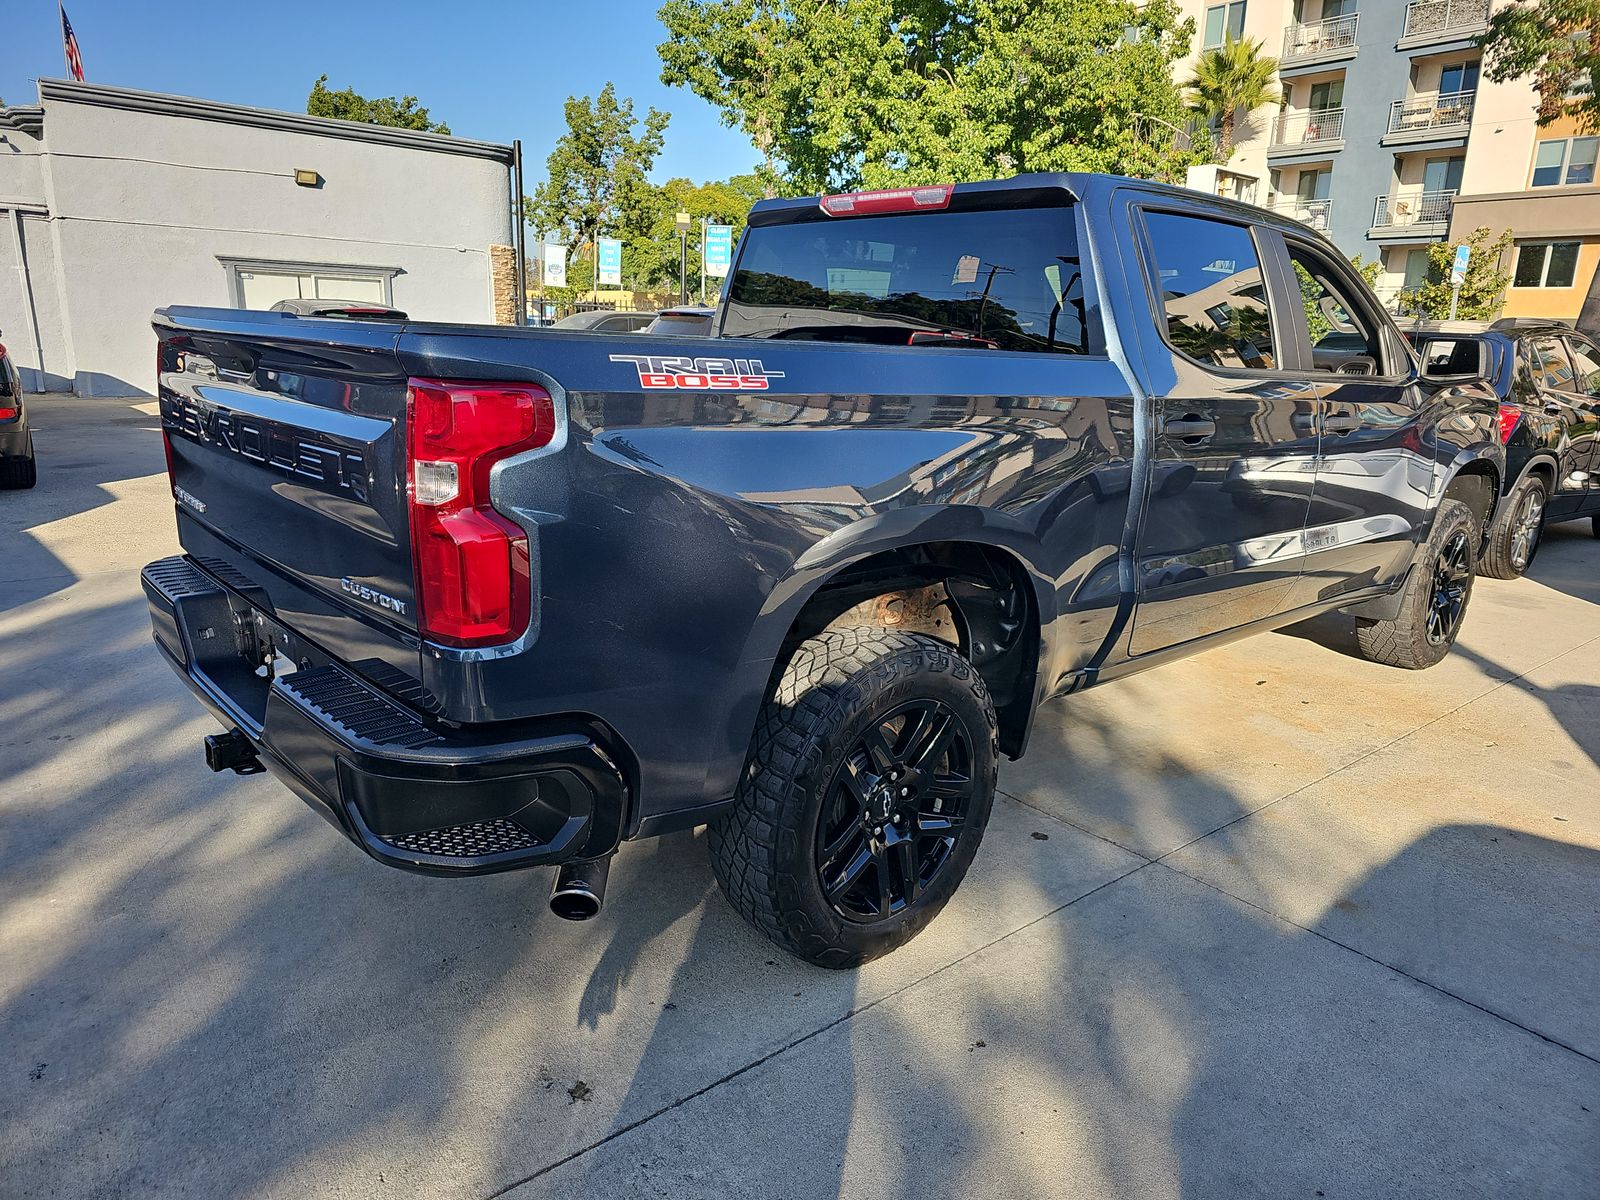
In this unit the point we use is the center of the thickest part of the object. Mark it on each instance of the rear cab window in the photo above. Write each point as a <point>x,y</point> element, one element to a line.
<point>999,280</point>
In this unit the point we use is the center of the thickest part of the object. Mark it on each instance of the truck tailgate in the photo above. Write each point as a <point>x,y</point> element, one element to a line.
<point>289,447</point>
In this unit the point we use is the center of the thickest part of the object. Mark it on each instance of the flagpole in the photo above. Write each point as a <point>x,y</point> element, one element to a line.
<point>61,19</point>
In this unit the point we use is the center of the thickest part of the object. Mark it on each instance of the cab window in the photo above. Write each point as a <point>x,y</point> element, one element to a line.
<point>1344,339</point>
<point>1547,358</point>
<point>1212,292</point>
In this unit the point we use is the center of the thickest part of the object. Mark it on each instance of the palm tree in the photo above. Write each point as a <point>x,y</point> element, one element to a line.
<point>1233,76</point>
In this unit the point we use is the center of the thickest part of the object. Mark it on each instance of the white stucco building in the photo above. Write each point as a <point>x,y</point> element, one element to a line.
<point>114,202</point>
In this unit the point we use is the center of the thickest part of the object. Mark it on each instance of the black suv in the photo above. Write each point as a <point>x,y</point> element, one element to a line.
<point>1547,377</point>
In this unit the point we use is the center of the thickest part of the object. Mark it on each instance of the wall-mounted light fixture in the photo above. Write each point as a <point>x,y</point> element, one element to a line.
<point>305,178</point>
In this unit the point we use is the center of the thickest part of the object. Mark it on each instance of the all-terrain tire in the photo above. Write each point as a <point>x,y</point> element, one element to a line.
<point>1406,641</point>
<point>19,471</point>
<point>832,691</point>
<point>1502,549</point>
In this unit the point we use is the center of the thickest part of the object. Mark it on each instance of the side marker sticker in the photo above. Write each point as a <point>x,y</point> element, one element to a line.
<point>700,374</point>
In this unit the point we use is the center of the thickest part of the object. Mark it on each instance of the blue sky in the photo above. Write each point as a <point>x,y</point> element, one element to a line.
<point>491,69</point>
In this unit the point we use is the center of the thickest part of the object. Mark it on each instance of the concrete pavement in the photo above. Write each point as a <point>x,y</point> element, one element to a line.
<point>1297,926</point>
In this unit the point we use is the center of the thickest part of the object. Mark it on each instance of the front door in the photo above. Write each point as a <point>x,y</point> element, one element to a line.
<point>1557,396</point>
<point>1371,503</point>
<point>1234,443</point>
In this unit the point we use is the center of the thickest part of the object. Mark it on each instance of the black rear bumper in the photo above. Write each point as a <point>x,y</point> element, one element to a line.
<point>412,793</point>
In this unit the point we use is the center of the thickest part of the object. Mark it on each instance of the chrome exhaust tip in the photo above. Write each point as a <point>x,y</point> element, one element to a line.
<point>580,889</point>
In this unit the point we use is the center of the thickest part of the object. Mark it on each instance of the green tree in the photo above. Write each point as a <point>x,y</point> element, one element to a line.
<point>598,173</point>
<point>1233,78</point>
<point>1558,43</point>
<point>401,112</point>
<point>876,93</point>
<point>650,261</point>
<point>1483,290</point>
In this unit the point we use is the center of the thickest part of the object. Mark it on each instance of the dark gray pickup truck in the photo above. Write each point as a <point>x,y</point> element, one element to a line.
<point>492,598</point>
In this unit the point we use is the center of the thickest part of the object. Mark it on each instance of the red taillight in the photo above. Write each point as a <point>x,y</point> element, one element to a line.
<point>866,204</point>
<point>1510,417</point>
<point>9,414</point>
<point>471,563</point>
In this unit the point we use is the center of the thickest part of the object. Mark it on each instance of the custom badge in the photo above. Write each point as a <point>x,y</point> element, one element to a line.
<point>700,374</point>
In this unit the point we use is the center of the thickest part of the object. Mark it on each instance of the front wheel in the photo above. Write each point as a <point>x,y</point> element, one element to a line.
<point>1517,531</point>
<point>865,795</point>
<point>1434,602</point>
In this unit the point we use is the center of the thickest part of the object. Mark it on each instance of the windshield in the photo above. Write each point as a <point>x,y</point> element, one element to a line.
<point>1006,280</point>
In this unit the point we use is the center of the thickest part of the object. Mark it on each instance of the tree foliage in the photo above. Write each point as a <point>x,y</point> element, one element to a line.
<point>875,93</point>
<point>1233,78</point>
<point>400,112</point>
<point>597,182</point>
<point>1557,42</point>
<point>1483,290</point>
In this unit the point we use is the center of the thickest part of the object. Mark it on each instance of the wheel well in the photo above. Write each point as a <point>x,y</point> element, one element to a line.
<point>974,597</point>
<point>1478,487</point>
<point>1546,470</point>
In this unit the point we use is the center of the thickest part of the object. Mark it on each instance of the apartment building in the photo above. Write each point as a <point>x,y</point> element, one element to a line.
<point>1386,128</point>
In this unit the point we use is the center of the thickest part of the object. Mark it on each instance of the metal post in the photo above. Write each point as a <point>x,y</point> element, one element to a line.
<point>1455,295</point>
<point>519,242</point>
<point>704,222</point>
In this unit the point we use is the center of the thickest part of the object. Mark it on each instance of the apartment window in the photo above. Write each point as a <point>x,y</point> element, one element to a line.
<point>1459,77</point>
<point>1327,95</point>
<point>1546,264</point>
<point>1565,161</point>
<point>1337,8</point>
<point>1443,174</point>
<point>1417,269</point>
<point>1224,22</point>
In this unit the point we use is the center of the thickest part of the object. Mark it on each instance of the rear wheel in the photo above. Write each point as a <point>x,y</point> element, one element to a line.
<point>1517,531</point>
<point>1434,602</point>
<point>20,471</point>
<point>865,795</point>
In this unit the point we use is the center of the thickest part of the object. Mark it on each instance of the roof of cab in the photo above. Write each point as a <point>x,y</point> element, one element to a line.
<point>1076,185</point>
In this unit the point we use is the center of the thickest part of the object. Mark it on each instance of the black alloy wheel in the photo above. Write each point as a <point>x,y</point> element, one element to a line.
<point>1452,578</point>
<point>895,811</point>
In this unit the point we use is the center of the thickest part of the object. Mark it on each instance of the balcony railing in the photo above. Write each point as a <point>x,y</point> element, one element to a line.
<point>1412,207</point>
<point>1442,16</point>
<point>1314,213</point>
<point>1431,110</point>
<point>1312,125</point>
<point>1319,37</point>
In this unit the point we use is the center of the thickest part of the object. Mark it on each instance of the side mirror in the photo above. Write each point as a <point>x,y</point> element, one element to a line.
<point>1446,360</point>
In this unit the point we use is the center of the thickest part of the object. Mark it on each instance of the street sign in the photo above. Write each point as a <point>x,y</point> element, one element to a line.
<point>611,261</point>
<point>555,265</point>
<point>1458,269</point>
<point>719,250</point>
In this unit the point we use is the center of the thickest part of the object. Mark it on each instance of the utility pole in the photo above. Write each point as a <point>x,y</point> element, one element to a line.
<point>704,221</point>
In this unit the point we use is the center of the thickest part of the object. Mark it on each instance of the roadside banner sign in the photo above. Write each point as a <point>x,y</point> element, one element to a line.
<point>611,261</point>
<point>719,250</point>
<point>555,265</point>
<point>1458,269</point>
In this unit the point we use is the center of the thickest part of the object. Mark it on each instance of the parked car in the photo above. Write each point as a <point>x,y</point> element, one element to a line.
<point>18,466</point>
<point>1546,378</point>
<point>689,321</point>
<point>522,595</point>
<point>606,321</point>
<point>355,310</point>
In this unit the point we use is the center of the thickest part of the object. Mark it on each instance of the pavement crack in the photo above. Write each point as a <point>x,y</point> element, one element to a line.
<point>1387,966</point>
<point>802,1039</point>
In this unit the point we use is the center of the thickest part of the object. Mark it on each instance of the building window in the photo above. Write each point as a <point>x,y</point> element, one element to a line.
<point>1224,22</point>
<point>261,283</point>
<point>1565,161</point>
<point>1546,264</point>
<point>1459,77</point>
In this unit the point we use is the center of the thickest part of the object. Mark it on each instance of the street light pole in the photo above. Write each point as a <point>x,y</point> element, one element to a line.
<point>684,223</point>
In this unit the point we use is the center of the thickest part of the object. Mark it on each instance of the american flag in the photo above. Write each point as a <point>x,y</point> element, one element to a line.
<point>69,43</point>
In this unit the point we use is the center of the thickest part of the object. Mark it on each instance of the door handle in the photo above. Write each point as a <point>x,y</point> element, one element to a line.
<point>1340,423</point>
<point>1191,428</point>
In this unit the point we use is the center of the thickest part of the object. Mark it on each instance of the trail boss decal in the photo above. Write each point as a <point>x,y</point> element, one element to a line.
<point>700,374</point>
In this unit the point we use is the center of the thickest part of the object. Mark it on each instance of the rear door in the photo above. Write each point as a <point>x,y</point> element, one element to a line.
<point>1234,445</point>
<point>1585,398</point>
<point>1374,476</point>
<point>1559,398</point>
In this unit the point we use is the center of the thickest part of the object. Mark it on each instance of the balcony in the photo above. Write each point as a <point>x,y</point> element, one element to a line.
<point>1307,132</point>
<point>1430,117</point>
<point>1412,214</point>
<point>1314,213</point>
<point>1319,41</point>
<point>1430,21</point>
